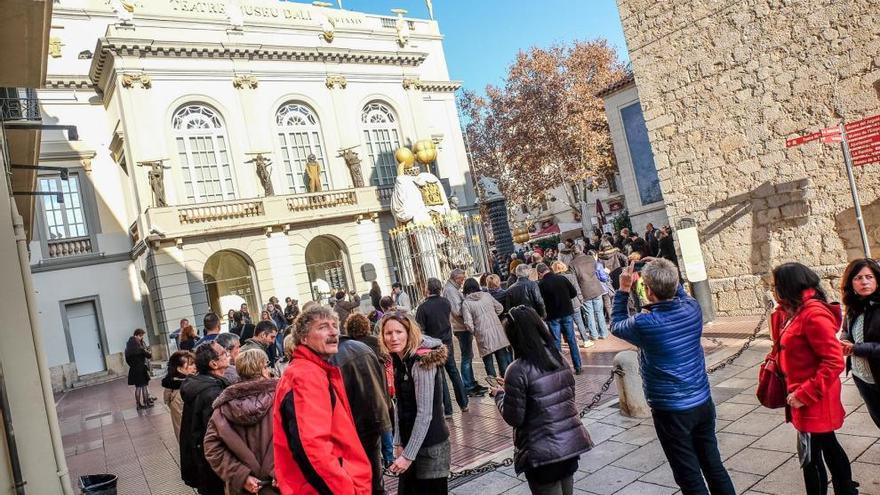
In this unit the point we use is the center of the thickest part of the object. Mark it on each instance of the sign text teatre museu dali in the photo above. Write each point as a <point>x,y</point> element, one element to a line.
<point>260,10</point>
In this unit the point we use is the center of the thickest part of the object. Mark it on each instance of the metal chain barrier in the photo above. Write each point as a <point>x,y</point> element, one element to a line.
<point>745,346</point>
<point>488,467</point>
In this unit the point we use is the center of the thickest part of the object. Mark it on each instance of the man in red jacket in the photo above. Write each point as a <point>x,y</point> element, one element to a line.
<point>319,451</point>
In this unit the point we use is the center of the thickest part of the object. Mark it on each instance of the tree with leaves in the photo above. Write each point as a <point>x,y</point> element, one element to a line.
<point>545,126</point>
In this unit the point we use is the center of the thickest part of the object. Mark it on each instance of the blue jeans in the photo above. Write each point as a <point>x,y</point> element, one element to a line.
<point>565,327</point>
<point>388,447</point>
<point>466,344</point>
<point>457,387</point>
<point>595,313</point>
<point>504,358</point>
<point>578,318</point>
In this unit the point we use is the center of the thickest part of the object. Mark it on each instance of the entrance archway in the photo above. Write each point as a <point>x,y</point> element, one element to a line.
<point>327,266</point>
<point>230,281</point>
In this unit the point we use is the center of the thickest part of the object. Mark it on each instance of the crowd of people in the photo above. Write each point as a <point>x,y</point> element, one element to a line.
<point>328,398</point>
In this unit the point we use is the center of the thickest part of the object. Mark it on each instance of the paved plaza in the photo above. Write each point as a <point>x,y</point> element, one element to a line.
<point>757,446</point>
<point>103,432</point>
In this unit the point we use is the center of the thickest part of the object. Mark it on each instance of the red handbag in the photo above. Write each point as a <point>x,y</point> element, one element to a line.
<point>772,391</point>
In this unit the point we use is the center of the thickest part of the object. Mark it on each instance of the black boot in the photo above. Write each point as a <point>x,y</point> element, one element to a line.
<point>849,487</point>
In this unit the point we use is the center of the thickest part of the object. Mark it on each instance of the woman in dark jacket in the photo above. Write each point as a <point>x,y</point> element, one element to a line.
<point>137,356</point>
<point>421,438</point>
<point>805,327</point>
<point>188,338</point>
<point>181,364</point>
<point>861,330</point>
<point>537,399</point>
<point>238,442</point>
<point>376,296</point>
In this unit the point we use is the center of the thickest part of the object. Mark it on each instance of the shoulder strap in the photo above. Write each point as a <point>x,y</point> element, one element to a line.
<point>332,397</point>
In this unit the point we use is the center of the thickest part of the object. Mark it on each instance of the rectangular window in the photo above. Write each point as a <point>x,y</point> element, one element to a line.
<point>63,220</point>
<point>612,183</point>
<point>381,144</point>
<point>641,154</point>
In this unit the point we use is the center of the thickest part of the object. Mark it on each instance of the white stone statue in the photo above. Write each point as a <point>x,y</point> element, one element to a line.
<point>417,195</point>
<point>402,27</point>
<point>430,6</point>
<point>489,185</point>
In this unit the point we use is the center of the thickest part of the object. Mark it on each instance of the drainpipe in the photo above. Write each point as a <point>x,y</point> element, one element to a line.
<point>11,445</point>
<point>42,362</point>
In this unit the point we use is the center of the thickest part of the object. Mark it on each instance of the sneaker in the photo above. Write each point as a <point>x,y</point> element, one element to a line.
<point>448,416</point>
<point>601,337</point>
<point>476,393</point>
<point>480,388</point>
<point>465,409</point>
<point>588,344</point>
<point>578,371</point>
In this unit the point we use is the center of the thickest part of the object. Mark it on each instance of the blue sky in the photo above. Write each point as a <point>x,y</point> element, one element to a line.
<point>483,36</point>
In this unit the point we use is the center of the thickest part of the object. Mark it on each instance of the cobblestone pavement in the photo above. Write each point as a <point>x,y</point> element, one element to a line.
<point>757,446</point>
<point>103,433</point>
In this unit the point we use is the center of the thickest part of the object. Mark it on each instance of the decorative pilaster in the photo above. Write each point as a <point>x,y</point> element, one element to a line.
<point>412,83</point>
<point>137,80</point>
<point>245,81</point>
<point>336,81</point>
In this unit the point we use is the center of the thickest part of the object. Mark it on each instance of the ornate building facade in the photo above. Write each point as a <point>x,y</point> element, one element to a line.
<point>228,152</point>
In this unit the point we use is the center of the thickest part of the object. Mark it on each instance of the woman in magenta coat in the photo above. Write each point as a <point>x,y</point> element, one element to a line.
<point>811,358</point>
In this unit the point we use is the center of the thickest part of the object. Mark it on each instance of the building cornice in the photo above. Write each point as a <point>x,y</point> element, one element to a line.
<point>440,86</point>
<point>68,82</point>
<point>108,48</point>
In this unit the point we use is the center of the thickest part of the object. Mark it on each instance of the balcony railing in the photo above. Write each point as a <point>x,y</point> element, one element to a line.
<point>62,248</point>
<point>317,201</point>
<point>19,104</point>
<point>220,211</point>
<point>271,211</point>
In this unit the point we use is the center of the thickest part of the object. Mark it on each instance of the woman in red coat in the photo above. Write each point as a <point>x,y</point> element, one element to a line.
<point>811,358</point>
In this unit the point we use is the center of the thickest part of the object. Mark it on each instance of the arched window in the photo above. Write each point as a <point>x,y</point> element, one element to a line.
<point>203,151</point>
<point>381,138</point>
<point>299,134</point>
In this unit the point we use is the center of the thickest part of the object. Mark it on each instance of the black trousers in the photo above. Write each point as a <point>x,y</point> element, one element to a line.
<point>689,442</point>
<point>871,395</point>
<point>824,446</point>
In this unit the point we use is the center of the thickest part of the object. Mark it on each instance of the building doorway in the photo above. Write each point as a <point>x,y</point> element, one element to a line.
<point>84,335</point>
<point>229,282</point>
<point>327,266</point>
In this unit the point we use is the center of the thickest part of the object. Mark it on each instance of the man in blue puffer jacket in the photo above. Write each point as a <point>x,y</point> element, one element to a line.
<point>667,333</point>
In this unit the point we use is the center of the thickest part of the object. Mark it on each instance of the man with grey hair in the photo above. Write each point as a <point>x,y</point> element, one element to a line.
<point>317,449</point>
<point>231,343</point>
<point>667,333</point>
<point>452,293</point>
<point>525,292</point>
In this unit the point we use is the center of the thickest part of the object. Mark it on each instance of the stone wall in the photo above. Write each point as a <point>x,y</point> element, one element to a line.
<point>722,85</point>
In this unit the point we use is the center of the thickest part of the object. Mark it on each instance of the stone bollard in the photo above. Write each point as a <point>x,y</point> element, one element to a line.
<point>629,386</point>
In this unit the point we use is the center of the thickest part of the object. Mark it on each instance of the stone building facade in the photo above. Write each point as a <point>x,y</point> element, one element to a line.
<point>722,85</point>
<point>190,99</point>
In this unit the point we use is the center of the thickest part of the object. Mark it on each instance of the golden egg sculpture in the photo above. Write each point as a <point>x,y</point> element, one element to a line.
<point>405,156</point>
<point>426,151</point>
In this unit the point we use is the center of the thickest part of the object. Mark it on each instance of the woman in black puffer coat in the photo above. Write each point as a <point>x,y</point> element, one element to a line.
<point>137,358</point>
<point>537,399</point>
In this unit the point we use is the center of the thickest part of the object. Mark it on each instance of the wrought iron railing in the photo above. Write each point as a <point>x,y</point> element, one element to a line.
<point>19,104</point>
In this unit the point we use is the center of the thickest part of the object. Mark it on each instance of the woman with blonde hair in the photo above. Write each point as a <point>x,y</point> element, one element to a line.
<point>421,436</point>
<point>238,442</point>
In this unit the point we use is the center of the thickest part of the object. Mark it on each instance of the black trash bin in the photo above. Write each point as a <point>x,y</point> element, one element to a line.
<point>98,484</point>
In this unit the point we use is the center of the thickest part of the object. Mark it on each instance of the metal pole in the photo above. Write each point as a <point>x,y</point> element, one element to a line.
<point>11,444</point>
<point>847,158</point>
